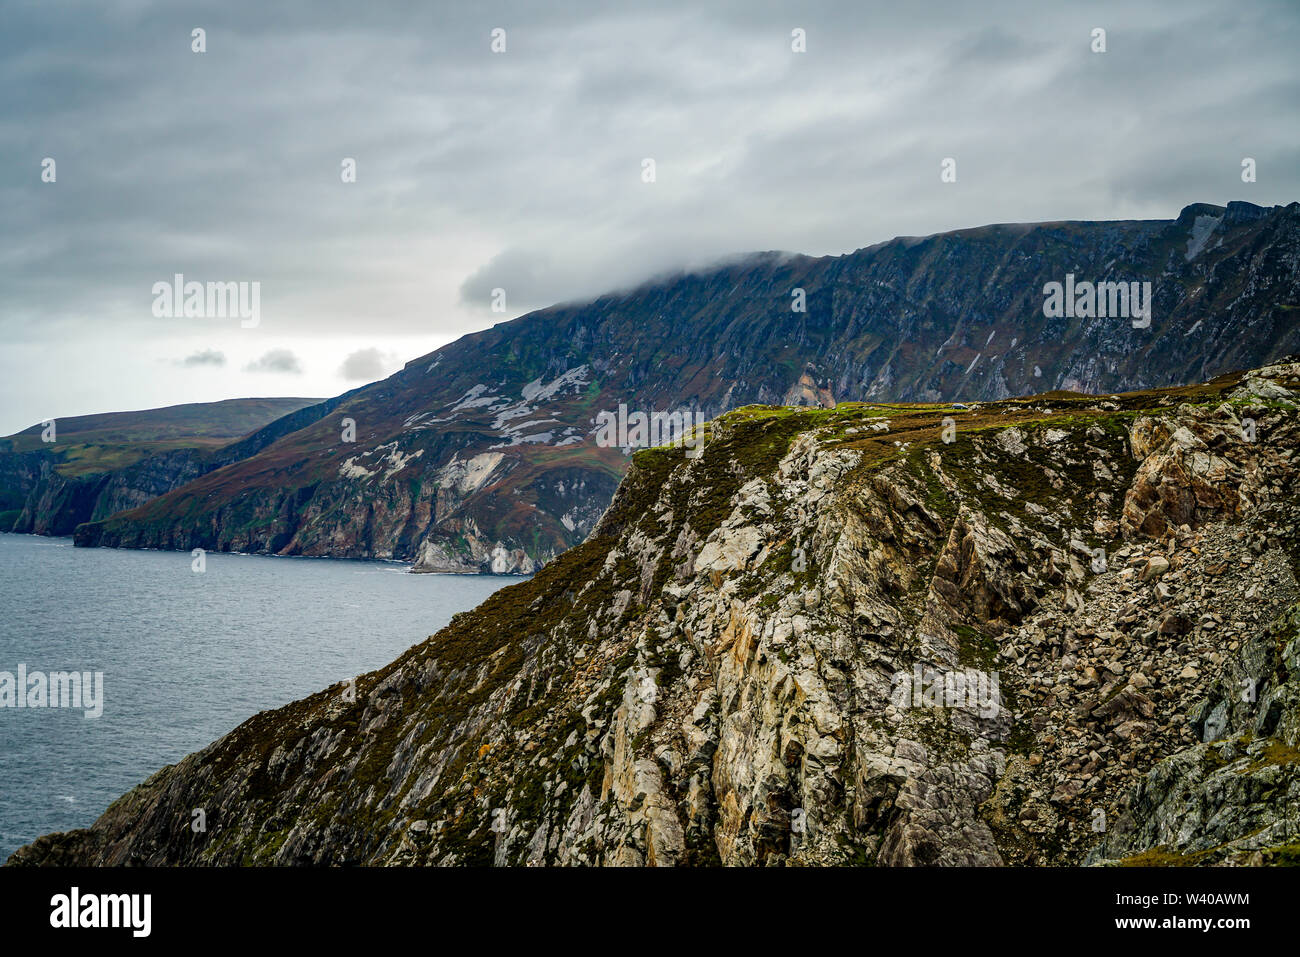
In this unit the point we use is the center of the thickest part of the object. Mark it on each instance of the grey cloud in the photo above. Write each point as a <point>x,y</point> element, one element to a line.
<point>205,357</point>
<point>365,365</point>
<point>528,279</point>
<point>277,360</point>
<point>522,170</point>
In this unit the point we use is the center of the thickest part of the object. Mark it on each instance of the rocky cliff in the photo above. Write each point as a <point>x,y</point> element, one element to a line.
<point>483,455</point>
<point>101,464</point>
<point>1052,630</point>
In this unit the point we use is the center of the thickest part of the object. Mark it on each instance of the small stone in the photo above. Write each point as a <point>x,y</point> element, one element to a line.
<point>1156,566</point>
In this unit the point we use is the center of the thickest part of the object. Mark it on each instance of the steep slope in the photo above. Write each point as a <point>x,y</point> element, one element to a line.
<point>482,455</point>
<point>104,463</point>
<point>1042,631</point>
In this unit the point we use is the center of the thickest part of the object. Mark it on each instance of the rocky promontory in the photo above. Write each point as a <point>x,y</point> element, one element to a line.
<point>1062,629</point>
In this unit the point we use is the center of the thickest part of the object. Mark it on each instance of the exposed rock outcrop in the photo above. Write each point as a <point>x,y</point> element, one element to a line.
<point>1041,631</point>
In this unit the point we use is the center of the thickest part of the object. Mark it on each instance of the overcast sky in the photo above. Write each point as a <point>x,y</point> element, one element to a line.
<point>524,169</point>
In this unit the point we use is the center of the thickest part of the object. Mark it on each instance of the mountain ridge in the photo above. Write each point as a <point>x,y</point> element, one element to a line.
<point>455,479</point>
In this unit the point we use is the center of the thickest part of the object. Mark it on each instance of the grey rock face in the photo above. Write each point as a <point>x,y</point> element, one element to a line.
<point>835,637</point>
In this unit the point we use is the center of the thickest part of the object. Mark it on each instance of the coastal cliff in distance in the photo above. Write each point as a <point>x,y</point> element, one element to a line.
<point>1062,629</point>
<point>110,462</point>
<point>482,456</point>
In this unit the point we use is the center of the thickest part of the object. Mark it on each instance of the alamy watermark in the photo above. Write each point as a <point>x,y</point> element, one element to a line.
<point>127,911</point>
<point>54,689</point>
<point>212,300</point>
<point>926,687</point>
<point>641,430</point>
<point>1101,300</point>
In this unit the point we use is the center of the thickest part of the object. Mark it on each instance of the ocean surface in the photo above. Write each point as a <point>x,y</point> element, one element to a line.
<point>185,656</point>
